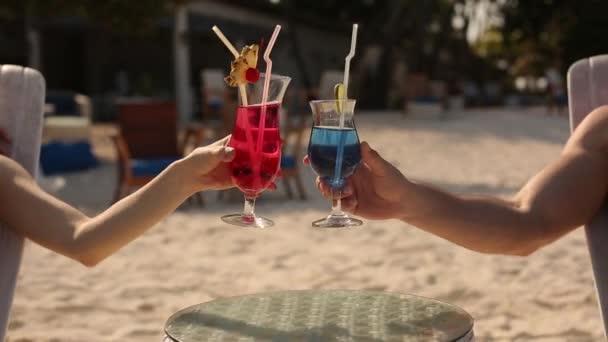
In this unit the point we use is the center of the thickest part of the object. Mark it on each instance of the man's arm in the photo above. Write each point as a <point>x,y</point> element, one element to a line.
<point>31,212</point>
<point>560,198</point>
<point>563,196</point>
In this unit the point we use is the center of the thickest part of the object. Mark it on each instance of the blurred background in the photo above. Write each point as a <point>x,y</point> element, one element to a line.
<point>491,51</point>
<point>469,95</point>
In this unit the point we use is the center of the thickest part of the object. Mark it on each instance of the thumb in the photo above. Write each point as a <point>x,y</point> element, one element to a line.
<point>227,154</point>
<point>376,163</point>
<point>224,141</point>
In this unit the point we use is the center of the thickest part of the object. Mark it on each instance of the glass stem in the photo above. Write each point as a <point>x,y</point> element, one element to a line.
<point>249,207</point>
<point>336,205</point>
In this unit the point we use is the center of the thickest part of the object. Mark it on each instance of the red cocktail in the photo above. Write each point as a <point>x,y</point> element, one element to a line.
<point>253,170</point>
<point>256,139</point>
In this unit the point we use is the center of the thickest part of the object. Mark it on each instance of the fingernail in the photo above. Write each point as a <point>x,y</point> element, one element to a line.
<point>228,153</point>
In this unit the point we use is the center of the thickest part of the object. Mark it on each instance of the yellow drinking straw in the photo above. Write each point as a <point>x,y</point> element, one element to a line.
<point>234,52</point>
<point>244,102</point>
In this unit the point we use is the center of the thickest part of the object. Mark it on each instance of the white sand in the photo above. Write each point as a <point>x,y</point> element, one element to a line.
<point>193,257</point>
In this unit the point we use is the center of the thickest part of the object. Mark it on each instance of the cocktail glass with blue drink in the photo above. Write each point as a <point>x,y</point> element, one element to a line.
<point>334,154</point>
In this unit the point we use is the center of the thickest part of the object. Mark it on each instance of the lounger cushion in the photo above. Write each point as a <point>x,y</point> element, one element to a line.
<point>61,157</point>
<point>288,162</point>
<point>150,167</point>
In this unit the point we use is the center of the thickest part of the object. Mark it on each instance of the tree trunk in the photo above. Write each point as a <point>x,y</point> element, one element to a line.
<point>181,55</point>
<point>382,28</point>
<point>32,36</point>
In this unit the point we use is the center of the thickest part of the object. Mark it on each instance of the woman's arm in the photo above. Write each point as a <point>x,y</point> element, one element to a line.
<point>53,224</point>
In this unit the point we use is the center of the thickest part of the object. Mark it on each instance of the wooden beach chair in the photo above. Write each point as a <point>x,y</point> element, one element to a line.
<point>21,110</point>
<point>587,90</point>
<point>147,143</point>
<point>71,120</point>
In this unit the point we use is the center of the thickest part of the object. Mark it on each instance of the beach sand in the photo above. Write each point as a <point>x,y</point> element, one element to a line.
<point>192,257</point>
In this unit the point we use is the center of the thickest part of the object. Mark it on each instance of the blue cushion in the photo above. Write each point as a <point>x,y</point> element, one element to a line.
<point>64,103</point>
<point>58,157</point>
<point>215,103</point>
<point>288,162</point>
<point>150,167</point>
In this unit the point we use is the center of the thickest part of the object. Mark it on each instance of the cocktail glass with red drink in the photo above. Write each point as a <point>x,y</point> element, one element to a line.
<point>256,139</point>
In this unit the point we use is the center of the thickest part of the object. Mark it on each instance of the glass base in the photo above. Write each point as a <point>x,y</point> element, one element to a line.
<point>337,221</point>
<point>247,221</point>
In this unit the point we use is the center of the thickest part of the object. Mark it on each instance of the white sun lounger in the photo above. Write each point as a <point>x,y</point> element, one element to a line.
<point>21,109</point>
<point>587,90</point>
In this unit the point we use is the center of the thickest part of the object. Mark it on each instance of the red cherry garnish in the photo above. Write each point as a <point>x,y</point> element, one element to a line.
<point>252,75</point>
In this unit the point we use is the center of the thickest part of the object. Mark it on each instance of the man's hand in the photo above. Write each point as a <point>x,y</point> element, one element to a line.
<point>377,190</point>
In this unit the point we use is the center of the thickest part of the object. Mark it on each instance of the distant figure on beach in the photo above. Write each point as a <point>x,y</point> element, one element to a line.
<point>38,216</point>
<point>564,195</point>
<point>556,95</point>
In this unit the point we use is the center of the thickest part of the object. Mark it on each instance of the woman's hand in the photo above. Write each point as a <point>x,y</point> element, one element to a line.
<point>5,142</point>
<point>207,167</point>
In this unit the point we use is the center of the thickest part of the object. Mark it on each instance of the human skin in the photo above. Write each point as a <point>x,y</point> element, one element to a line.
<point>42,218</point>
<point>561,197</point>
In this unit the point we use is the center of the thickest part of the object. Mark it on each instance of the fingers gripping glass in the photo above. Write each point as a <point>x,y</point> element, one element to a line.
<point>334,153</point>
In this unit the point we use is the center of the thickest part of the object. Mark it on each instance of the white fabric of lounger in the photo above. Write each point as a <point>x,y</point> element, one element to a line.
<point>21,109</point>
<point>587,90</point>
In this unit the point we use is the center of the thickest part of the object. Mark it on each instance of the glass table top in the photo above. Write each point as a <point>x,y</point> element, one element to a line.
<point>321,315</point>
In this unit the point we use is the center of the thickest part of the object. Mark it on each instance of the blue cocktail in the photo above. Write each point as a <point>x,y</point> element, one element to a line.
<point>323,153</point>
<point>333,152</point>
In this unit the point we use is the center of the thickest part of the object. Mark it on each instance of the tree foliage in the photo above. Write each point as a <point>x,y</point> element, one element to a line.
<point>530,35</point>
<point>539,34</point>
<point>117,15</point>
